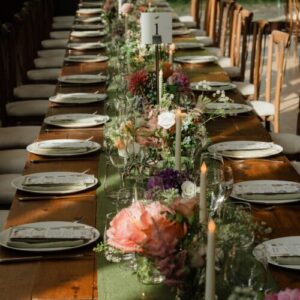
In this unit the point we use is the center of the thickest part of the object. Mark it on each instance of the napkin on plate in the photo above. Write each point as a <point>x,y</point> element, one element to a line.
<point>57,183</point>
<point>287,260</point>
<point>48,244</point>
<point>279,196</point>
<point>287,253</point>
<point>76,147</point>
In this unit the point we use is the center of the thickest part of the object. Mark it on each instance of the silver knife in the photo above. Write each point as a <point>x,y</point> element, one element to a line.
<point>40,257</point>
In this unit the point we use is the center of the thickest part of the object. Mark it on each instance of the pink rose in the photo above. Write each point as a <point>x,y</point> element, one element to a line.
<point>126,229</point>
<point>127,8</point>
<point>145,229</point>
<point>287,294</point>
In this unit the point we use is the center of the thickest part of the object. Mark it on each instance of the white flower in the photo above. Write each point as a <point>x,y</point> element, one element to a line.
<point>166,120</point>
<point>189,189</point>
<point>131,148</point>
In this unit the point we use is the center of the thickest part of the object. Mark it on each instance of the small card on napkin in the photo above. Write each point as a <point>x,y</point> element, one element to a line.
<point>52,234</point>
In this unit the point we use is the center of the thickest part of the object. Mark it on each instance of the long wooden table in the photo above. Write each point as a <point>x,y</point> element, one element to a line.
<point>77,278</point>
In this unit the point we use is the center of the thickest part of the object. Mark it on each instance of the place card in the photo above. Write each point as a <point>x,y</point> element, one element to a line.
<point>37,234</point>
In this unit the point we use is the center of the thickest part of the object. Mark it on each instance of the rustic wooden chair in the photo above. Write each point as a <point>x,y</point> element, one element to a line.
<point>251,89</point>
<point>209,35</point>
<point>192,20</point>
<point>292,11</point>
<point>235,64</point>
<point>267,110</point>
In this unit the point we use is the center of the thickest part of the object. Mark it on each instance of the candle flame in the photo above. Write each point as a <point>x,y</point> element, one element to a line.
<point>211,226</point>
<point>203,168</point>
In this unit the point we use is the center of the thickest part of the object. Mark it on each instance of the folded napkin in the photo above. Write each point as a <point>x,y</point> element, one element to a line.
<point>186,45</point>
<point>57,244</point>
<point>79,147</point>
<point>280,196</point>
<point>225,106</point>
<point>243,146</point>
<point>287,260</point>
<point>57,183</point>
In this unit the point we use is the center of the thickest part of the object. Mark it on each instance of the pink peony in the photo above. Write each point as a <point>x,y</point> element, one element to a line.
<point>287,294</point>
<point>127,8</point>
<point>145,229</point>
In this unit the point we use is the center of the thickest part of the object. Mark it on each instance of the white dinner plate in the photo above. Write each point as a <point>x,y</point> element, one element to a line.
<point>86,46</point>
<point>90,4</point>
<point>63,147</point>
<point>245,149</point>
<point>267,191</point>
<point>89,11</point>
<point>227,108</point>
<point>87,181</point>
<point>88,26</point>
<point>187,45</point>
<point>200,59</point>
<point>89,20</point>
<point>176,32</point>
<point>88,33</point>
<point>260,250</point>
<point>86,58</point>
<point>83,78</point>
<point>176,25</point>
<point>212,86</point>
<point>77,98</point>
<point>5,235</point>
<point>76,120</point>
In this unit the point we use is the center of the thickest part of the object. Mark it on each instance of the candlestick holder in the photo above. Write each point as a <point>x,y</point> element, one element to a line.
<point>157,40</point>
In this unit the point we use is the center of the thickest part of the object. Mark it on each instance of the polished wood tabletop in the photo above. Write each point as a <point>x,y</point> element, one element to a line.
<point>68,279</point>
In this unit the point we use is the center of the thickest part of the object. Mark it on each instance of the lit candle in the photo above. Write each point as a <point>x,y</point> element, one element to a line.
<point>160,85</point>
<point>202,206</point>
<point>210,278</point>
<point>171,52</point>
<point>178,140</point>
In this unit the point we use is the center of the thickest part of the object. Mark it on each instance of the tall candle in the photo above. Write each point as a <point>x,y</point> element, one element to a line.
<point>171,52</point>
<point>120,2</point>
<point>203,206</point>
<point>126,25</point>
<point>178,141</point>
<point>210,278</point>
<point>160,85</point>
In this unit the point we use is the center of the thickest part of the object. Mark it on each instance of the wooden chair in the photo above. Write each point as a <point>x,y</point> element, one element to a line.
<point>209,35</point>
<point>251,89</point>
<point>267,110</point>
<point>235,64</point>
<point>192,20</point>
<point>292,11</point>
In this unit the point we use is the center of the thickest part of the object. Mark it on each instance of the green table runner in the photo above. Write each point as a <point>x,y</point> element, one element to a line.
<point>115,283</point>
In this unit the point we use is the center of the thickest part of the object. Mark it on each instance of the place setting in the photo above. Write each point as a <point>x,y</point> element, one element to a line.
<point>77,98</point>
<point>86,46</point>
<point>196,59</point>
<point>86,58</point>
<point>188,45</point>
<point>178,32</point>
<point>283,252</point>
<point>267,191</point>
<point>212,86</point>
<point>245,149</point>
<point>88,33</point>
<point>229,109</point>
<point>55,183</point>
<point>84,79</point>
<point>88,20</point>
<point>73,120</point>
<point>63,147</point>
<point>90,4</point>
<point>88,11</point>
<point>88,26</point>
<point>48,236</point>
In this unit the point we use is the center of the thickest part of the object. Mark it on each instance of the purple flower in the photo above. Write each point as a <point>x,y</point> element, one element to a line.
<point>166,179</point>
<point>181,80</point>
